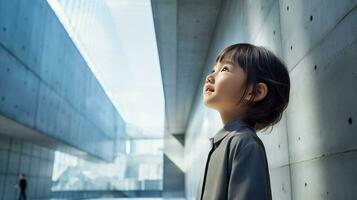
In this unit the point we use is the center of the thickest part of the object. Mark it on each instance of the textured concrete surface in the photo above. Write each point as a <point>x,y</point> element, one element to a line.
<point>183,30</point>
<point>319,44</point>
<point>36,162</point>
<point>49,99</point>
<point>47,86</point>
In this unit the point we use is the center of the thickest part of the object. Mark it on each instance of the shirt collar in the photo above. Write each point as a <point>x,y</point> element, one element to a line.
<point>235,124</point>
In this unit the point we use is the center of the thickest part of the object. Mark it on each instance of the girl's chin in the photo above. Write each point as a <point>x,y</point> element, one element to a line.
<point>207,103</point>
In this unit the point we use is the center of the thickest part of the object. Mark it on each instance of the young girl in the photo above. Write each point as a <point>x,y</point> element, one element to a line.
<point>249,86</point>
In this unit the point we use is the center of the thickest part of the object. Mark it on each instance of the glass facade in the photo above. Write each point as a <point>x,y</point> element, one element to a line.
<point>139,167</point>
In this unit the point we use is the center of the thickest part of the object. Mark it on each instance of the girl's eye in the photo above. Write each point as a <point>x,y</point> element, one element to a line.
<point>224,68</point>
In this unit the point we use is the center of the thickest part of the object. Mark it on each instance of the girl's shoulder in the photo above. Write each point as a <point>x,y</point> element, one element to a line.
<point>243,136</point>
<point>240,139</point>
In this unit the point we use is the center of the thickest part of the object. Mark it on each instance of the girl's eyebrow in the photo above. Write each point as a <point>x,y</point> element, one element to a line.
<point>228,62</point>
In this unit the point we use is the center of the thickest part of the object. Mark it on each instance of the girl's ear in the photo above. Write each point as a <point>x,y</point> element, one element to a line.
<point>262,91</point>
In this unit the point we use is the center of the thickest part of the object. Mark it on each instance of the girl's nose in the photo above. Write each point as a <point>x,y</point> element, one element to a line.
<point>209,79</point>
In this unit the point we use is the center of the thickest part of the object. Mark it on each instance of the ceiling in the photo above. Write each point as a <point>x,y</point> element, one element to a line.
<point>184,31</point>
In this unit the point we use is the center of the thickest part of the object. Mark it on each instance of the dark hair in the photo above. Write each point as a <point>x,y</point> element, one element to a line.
<point>261,65</point>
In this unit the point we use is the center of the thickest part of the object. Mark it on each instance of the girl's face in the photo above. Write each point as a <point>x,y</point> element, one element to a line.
<point>224,86</point>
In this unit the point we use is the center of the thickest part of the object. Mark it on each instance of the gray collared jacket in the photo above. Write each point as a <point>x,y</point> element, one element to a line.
<point>236,166</point>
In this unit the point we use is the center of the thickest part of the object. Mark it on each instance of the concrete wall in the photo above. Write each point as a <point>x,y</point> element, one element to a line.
<point>47,86</point>
<point>311,151</point>
<point>36,162</point>
<point>166,14</point>
<point>319,45</point>
<point>49,99</point>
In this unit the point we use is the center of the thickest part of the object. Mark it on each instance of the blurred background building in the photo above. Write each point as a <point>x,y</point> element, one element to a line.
<point>102,98</point>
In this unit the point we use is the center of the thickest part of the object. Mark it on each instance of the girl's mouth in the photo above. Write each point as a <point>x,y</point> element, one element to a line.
<point>208,90</point>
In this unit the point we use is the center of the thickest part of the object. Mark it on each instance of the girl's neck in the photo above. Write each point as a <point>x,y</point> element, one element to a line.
<point>227,117</point>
